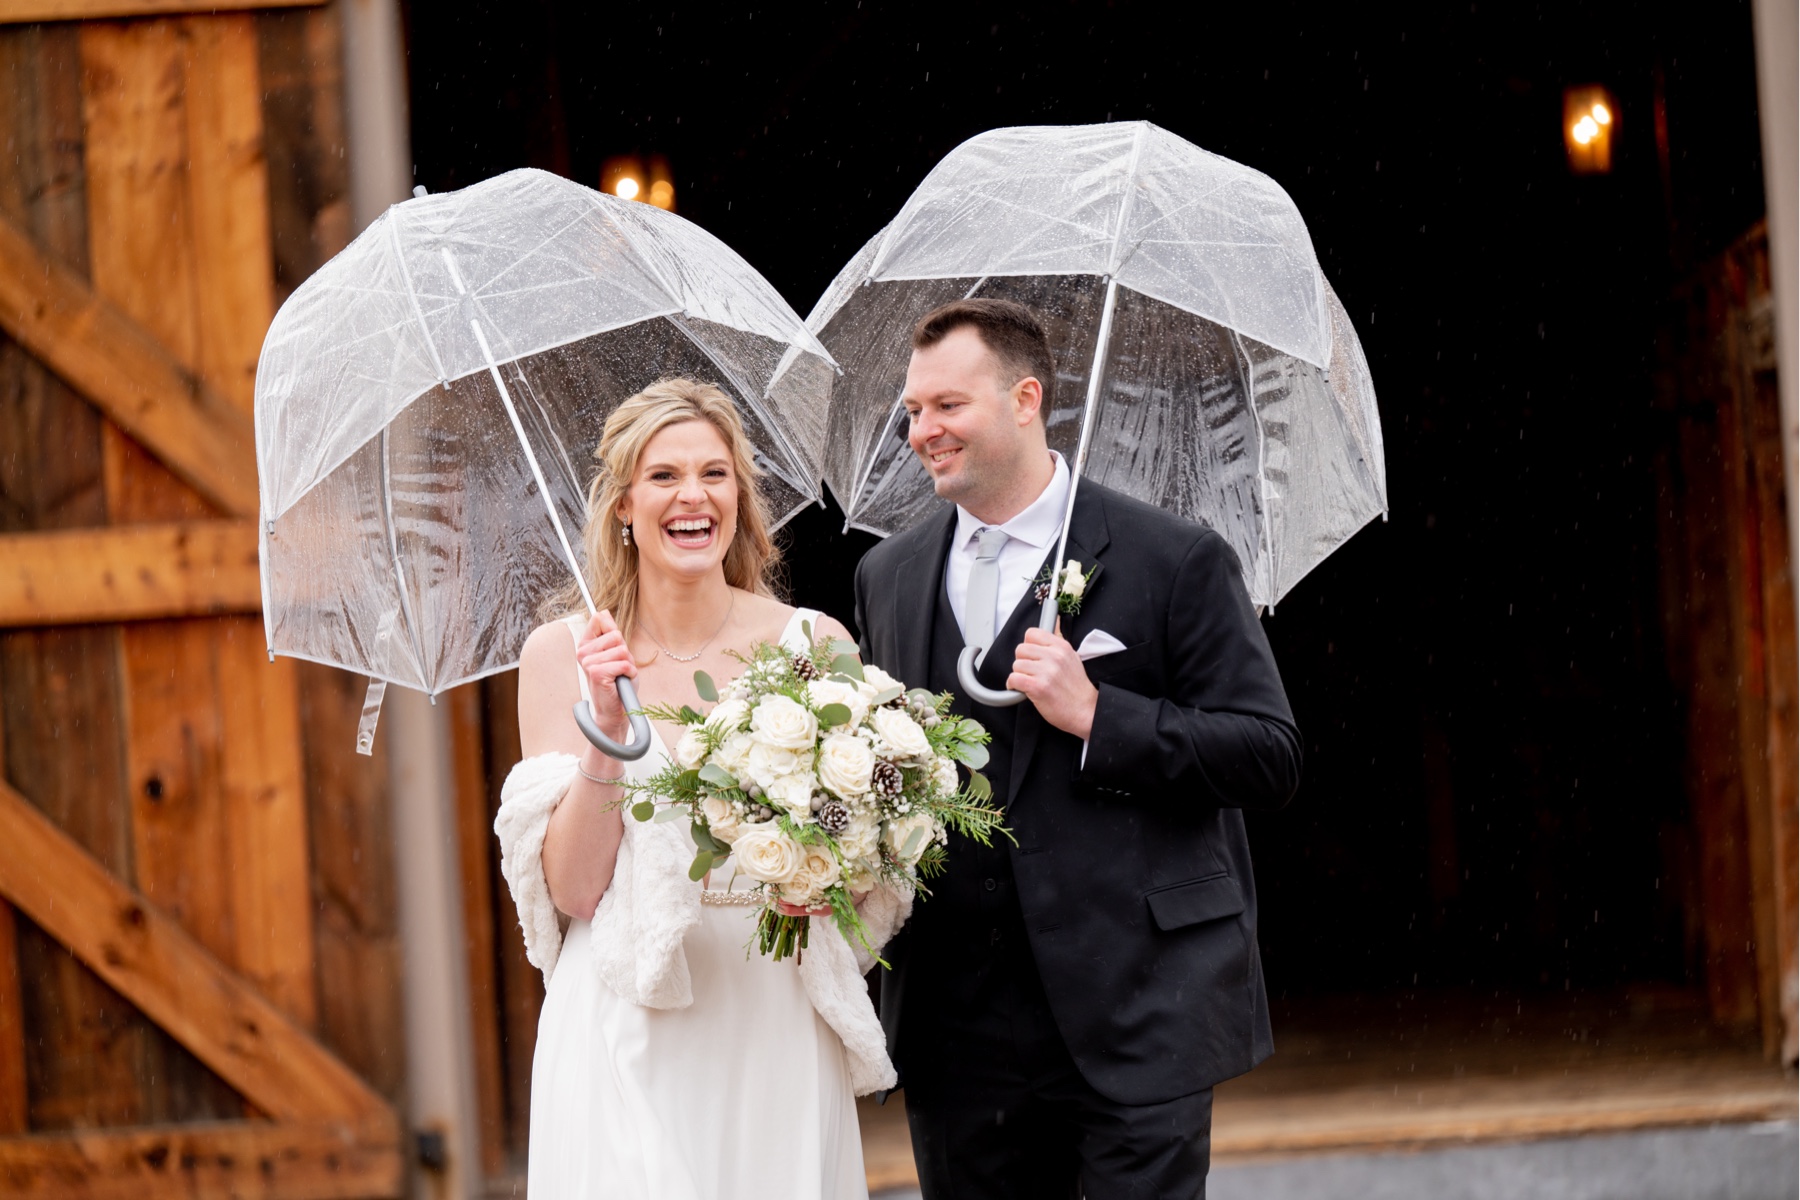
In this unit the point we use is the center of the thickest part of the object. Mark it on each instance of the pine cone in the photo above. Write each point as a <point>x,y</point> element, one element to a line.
<point>803,667</point>
<point>887,779</point>
<point>834,816</point>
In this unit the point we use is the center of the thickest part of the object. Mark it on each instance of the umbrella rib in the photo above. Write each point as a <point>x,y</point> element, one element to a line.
<point>1262,481</point>
<point>413,295</point>
<point>750,395</point>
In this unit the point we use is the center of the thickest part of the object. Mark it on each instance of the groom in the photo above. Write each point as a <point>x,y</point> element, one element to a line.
<point>1060,1009</point>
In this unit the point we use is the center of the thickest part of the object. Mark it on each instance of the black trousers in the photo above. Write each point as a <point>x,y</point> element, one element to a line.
<point>999,1111</point>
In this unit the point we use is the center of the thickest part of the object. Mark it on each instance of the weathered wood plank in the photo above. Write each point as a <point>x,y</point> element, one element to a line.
<point>361,1002</point>
<point>87,1056</point>
<point>302,57</point>
<point>474,836</point>
<point>21,11</point>
<point>156,964</point>
<point>128,573</point>
<point>109,359</point>
<point>254,1160</point>
<point>15,1102</point>
<point>521,985</point>
<point>180,240</point>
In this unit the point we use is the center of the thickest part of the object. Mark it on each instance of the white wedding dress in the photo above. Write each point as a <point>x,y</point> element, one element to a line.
<point>744,1094</point>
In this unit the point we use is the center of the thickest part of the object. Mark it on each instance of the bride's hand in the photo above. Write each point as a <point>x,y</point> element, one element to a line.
<point>795,910</point>
<point>604,657</point>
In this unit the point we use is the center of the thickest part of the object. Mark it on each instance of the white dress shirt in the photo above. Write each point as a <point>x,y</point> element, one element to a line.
<point>1031,535</point>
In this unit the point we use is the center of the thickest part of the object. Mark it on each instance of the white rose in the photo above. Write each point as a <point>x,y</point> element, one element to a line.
<point>900,831</point>
<point>690,751</point>
<point>845,762</point>
<point>765,763</point>
<point>944,776</point>
<point>766,854</point>
<point>781,722</point>
<point>722,818</point>
<point>818,871</point>
<point>793,793</point>
<point>878,679</point>
<point>734,752</point>
<point>1074,582</point>
<point>831,691</point>
<point>900,735</point>
<point>729,715</point>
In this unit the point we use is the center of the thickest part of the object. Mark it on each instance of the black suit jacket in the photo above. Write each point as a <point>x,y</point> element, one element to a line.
<point>1133,869</point>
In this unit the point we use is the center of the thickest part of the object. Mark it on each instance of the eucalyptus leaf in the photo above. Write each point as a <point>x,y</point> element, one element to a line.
<point>704,685</point>
<point>974,755</point>
<point>912,843</point>
<point>687,782</point>
<point>885,695</point>
<point>713,773</point>
<point>840,646</point>
<point>703,862</point>
<point>921,696</point>
<point>704,839</point>
<point>671,813</point>
<point>806,631</point>
<point>979,787</point>
<point>643,810</point>
<point>834,714</point>
<point>846,664</point>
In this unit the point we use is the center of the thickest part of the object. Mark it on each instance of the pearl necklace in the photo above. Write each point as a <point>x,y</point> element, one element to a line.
<point>688,658</point>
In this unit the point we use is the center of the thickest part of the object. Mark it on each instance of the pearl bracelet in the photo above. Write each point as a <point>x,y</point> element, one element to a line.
<point>595,778</point>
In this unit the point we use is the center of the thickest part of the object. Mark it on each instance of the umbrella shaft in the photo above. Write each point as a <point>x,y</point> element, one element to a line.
<point>1102,342</point>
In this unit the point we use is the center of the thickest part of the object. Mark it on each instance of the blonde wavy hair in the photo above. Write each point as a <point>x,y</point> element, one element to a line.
<point>612,565</point>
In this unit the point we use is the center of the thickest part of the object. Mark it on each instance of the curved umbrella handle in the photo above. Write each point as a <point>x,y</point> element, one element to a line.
<point>973,687</point>
<point>640,726</point>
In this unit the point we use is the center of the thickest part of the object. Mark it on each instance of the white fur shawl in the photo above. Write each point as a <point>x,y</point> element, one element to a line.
<point>650,905</point>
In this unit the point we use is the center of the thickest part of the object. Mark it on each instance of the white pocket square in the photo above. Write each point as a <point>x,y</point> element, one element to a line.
<point>1097,643</point>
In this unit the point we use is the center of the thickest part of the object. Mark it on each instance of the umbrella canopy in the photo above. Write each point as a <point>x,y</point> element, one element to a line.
<point>1203,363</point>
<point>428,402</point>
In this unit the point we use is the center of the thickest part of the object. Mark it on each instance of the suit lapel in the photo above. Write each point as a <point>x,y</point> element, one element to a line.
<point>916,580</point>
<point>1088,539</point>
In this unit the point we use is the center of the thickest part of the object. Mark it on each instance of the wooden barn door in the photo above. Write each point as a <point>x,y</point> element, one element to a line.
<point>164,1006</point>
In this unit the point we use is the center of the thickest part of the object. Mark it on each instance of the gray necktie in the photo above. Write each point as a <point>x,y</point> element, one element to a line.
<point>984,583</point>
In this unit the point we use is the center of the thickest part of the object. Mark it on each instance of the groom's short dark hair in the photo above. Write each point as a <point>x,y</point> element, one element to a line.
<point>1007,328</point>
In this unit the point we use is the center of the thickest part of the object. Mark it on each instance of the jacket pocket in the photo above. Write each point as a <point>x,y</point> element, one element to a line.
<point>1197,900</point>
<point>1118,662</point>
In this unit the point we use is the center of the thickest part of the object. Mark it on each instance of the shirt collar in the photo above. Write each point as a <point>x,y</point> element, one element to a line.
<point>1037,524</point>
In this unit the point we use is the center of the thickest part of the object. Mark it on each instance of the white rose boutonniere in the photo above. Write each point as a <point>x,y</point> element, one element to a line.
<point>1071,585</point>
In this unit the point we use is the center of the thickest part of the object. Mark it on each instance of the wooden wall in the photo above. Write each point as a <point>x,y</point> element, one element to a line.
<point>168,180</point>
<point>1728,591</point>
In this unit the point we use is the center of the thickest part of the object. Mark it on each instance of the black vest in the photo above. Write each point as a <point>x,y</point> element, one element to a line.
<point>970,925</point>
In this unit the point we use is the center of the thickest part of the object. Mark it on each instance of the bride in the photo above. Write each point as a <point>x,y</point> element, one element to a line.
<point>673,1062</point>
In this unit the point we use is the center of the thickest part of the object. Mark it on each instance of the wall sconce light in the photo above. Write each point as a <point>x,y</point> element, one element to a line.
<point>1590,118</point>
<point>630,178</point>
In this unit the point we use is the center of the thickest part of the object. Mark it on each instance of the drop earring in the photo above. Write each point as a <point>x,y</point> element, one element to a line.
<point>625,532</point>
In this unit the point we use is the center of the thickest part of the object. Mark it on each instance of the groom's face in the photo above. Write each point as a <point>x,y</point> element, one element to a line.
<point>971,430</point>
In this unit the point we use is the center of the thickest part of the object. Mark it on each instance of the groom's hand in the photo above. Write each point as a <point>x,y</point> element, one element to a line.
<point>1055,681</point>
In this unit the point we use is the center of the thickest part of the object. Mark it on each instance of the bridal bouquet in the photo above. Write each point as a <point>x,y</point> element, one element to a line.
<point>822,777</point>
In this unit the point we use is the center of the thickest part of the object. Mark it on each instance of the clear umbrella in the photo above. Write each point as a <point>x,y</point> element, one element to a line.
<point>427,404</point>
<point>1203,363</point>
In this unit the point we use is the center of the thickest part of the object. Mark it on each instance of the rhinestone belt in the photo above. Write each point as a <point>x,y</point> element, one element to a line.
<point>732,899</point>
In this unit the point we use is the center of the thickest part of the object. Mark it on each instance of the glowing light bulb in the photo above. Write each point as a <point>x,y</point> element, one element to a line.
<point>1586,130</point>
<point>627,187</point>
<point>1602,114</point>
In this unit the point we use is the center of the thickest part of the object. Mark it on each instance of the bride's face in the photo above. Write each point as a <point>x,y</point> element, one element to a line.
<point>682,502</point>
